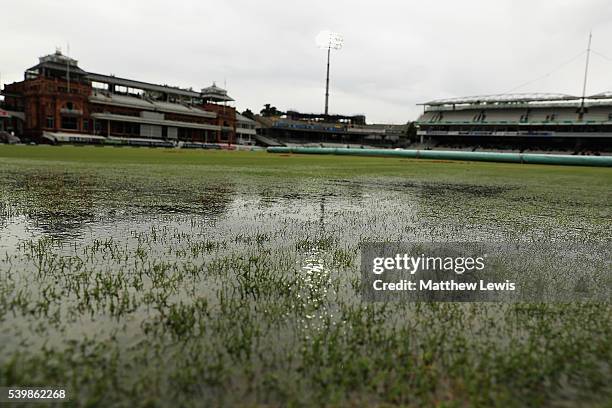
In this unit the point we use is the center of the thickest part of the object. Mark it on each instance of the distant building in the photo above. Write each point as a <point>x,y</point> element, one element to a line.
<point>309,129</point>
<point>246,130</point>
<point>519,121</point>
<point>59,102</point>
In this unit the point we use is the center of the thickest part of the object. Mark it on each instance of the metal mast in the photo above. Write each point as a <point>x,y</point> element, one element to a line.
<point>586,74</point>
<point>327,83</point>
<point>328,40</point>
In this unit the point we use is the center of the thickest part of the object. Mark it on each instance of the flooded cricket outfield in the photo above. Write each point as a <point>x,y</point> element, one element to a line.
<point>227,280</point>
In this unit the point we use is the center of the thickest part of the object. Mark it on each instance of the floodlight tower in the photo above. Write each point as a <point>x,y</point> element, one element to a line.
<point>330,41</point>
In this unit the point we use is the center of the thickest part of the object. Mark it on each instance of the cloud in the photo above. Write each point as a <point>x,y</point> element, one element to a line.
<point>396,54</point>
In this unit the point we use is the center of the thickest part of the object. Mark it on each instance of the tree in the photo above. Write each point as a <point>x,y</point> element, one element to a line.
<point>270,110</point>
<point>249,114</point>
<point>411,132</point>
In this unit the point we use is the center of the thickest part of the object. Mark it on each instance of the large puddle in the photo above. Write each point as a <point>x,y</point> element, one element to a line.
<point>138,258</point>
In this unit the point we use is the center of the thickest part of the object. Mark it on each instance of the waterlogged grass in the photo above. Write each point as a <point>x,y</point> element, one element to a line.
<point>143,277</point>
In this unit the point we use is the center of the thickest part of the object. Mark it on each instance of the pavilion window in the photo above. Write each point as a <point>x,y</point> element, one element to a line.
<point>116,127</point>
<point>69,122</point>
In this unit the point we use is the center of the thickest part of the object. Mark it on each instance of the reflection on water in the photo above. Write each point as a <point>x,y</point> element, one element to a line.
<point>315,278</point>
<point>193,273</point>
<point>14,230</point>
<point>81,208</point>
<point>185,224</point>
<point>131,240</point>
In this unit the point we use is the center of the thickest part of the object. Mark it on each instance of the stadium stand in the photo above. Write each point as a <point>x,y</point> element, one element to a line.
<point>519,122</point>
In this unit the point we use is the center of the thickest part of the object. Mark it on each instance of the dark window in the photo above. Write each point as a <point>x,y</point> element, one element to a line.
<point>69,122</point>
<point>50,122</point>
<point>116,127</point>
<point>86,125</point>
<point>69,105</point>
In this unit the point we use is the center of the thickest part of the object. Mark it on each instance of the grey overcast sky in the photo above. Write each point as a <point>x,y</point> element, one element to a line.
<point>396,53</point>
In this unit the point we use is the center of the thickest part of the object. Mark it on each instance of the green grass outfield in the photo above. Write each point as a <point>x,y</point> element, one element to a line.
<point>140,277</point>
<point>315,165</point>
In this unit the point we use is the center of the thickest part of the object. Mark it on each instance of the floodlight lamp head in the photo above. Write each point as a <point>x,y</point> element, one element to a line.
<point>329,40</point>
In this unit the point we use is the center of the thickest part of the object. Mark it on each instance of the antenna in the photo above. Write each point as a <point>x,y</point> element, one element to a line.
<point>586,74</point>
<point>329,40</point>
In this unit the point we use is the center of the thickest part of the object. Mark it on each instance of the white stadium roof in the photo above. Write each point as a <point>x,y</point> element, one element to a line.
<point>503,98</point>
<point>603,95</point>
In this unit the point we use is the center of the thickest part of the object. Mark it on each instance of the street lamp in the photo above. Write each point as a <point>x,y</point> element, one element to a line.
<point>330,41</point>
